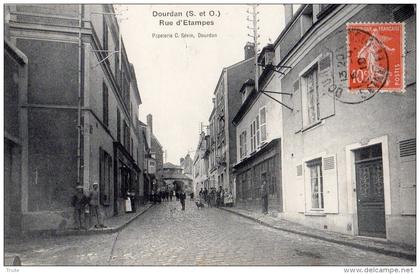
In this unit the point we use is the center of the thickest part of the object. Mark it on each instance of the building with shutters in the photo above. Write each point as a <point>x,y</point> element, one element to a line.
<point>258,138</point>
<point>348,158</point>
<point>78,113</point>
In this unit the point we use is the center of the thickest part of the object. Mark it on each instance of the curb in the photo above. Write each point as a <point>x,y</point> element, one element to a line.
<point>87,232</point>
<point>394,253</point>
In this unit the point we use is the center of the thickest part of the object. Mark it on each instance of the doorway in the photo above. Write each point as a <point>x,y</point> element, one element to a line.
<point>370,191</point>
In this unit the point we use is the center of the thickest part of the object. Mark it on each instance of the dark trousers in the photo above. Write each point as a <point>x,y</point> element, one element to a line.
<point>183,204</point>
<point>79,217</point>
<point>265,204</point>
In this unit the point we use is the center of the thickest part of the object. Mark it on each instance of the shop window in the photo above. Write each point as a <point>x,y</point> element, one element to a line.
<point>316,183</point>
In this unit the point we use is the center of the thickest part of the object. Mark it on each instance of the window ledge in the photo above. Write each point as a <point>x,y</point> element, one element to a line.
<point>313,125</point>
<point>315,213</point>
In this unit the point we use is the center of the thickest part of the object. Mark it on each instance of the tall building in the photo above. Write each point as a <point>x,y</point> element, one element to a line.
<point>78,111</point>
<point>349,157</point>
<point>226,104</point>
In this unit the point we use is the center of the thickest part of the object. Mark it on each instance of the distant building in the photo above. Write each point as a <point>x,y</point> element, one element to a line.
<point>201,163</point>
<point>174,179</point>
<point>187,164</point>
<point>154,159</point>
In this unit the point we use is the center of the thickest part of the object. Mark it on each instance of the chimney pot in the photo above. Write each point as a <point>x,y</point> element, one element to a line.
<point>249,50</point>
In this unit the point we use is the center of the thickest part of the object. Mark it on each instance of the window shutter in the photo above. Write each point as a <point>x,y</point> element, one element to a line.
<point>297,106</point>
<point>325,80</point>
<point>329,173</point>
<point>300,189</point>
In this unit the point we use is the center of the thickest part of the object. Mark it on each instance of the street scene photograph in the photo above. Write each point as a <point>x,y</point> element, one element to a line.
<point>209,135</point>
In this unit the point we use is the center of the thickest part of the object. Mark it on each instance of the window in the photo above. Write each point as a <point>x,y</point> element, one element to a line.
<point>312,96</point>
<point>126,138</point>
<point>105,167</point>
<point>253,137</point>
<point>257,121</point>
<point>317,195</point>
<point>263,127</point>
<point>242,145</point>
<point>105,103</point>
<point>118,125</point>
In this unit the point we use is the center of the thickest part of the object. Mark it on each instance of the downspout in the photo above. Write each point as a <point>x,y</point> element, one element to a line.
<point>79,98</point>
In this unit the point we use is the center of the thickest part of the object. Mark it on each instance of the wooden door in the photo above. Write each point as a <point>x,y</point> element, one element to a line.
<point>370,192</point>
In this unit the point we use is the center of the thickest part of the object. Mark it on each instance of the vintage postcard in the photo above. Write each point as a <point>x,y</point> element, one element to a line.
<point>210,135</point>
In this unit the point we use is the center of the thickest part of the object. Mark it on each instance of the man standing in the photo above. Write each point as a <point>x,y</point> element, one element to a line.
<point>182,197</point>
<point>264,194</point>
<point>79,202</point>
<point>95,209</point>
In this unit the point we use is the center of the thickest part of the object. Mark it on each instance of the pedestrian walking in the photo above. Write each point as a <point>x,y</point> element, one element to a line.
<point>171,193</point>
<point>264,194</point>
<point>79,202</point>
<point>95,208</point>
<point>182,197</point>
<point>212,197</point>
<point>206,195</point>
<point>219,194</point>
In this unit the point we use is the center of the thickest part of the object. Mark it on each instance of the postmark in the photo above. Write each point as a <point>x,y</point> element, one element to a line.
<point>375,57</point>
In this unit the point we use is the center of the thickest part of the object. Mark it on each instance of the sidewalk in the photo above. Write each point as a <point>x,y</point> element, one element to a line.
<point>113,224</point>
<point>380,246</point>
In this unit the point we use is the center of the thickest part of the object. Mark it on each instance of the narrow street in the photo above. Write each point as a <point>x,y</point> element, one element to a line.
<point>164,235</point>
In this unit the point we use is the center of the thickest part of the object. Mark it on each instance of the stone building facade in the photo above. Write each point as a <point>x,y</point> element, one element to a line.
<point>348,158</point>
<point>79,113</point>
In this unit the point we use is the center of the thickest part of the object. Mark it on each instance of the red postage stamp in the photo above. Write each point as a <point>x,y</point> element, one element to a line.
<point>375,57</point>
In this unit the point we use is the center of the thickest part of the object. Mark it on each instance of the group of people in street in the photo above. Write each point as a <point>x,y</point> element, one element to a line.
<point>163,195</point>
<point>213,197</point>
<point>87,208</point>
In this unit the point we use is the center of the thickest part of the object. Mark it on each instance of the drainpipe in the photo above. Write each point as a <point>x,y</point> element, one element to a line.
<point>79,98</point>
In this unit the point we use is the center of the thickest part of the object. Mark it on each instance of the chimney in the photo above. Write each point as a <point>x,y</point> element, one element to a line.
<point>249,50</point>
<point>288,13</point>
<point>150,122</point>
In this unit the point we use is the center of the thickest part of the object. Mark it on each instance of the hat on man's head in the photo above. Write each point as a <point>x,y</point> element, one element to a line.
<point>95,183</point>
<point>79,187</point>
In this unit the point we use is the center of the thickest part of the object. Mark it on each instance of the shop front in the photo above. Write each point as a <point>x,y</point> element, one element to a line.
<point>126,184</point>
<point>266,162</point>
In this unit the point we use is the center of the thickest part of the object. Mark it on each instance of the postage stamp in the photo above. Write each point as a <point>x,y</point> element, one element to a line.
<point>375,57</point>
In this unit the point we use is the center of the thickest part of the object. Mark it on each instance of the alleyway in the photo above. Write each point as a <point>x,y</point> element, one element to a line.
<point>164,235</point>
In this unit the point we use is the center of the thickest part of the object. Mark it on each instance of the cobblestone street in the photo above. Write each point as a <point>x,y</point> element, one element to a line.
<point>165,235</point>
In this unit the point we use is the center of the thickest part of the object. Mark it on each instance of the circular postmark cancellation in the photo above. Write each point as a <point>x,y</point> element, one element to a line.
<point>369,63</point>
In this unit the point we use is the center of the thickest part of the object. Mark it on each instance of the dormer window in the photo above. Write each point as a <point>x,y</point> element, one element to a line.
<point>246,89</point>
<point>266,57</point>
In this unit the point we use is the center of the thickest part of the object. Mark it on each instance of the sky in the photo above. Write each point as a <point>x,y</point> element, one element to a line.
<point>177,76</point>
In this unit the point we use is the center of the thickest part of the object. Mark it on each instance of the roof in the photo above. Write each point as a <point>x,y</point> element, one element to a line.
<point>169,165</point>
<point>245,106</point>
<point>142,124</point>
